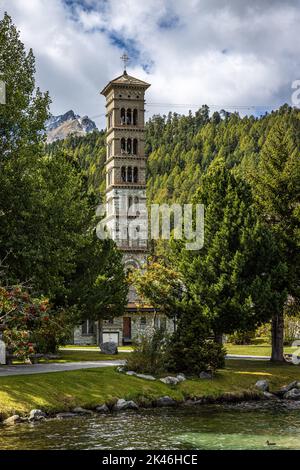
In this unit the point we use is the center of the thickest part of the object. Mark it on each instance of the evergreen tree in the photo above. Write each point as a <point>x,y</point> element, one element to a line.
<point>236,279</point>
<point>276,185</point>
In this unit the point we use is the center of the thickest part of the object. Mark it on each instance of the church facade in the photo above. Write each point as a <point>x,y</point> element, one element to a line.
<point>126,217</point>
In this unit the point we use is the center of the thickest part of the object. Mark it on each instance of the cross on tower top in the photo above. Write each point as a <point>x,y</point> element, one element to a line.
<point>125,59</point>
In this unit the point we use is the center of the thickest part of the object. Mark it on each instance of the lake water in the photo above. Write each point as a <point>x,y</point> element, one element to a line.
<point>247,426</point>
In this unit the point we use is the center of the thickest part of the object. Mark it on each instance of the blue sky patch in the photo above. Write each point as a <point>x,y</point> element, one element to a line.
<point>169,22</point>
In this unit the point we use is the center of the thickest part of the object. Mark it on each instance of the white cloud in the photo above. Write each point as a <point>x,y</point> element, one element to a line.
<point>227,52</point>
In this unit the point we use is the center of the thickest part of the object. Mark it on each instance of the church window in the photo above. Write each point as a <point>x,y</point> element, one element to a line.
<point>135,174</point>
<point>123,116</point>
<point>135,146</point>
<point>135,117</point>
<point>136,200</point>
<point>129,174</point>
<point>129,202</point>
<point>123,174</point>
<point>129,146</point>
<point>128,116</point>
<point>123,145</point>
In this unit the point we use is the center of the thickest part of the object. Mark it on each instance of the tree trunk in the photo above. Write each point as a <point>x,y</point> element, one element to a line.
<point>219,338</point>
<point>99,332</point>
<point>277,338</point>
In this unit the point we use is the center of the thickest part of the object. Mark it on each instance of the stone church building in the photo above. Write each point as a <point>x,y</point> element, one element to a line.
<point>125,200</point>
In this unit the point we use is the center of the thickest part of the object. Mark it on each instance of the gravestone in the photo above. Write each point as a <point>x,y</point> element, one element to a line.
<point>2,352</point>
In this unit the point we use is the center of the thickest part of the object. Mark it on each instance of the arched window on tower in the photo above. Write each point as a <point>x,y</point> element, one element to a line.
<point>129,116</point>
<point>135,174</point>
<point>123,174</point>
<point>135,147</point>
<point>136,200</point>
<point>129,202</point>
<point>129,146</point>
<point>123,145</point>
<point>135,117</point>
<point>129,174</point>
<point>123,116</point>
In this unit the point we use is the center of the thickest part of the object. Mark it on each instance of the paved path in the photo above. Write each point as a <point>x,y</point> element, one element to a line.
<point>228,356</point>
<point>249,358</point>
<point>54,367</point>
<point>60,367</point>
<point>92,349</point>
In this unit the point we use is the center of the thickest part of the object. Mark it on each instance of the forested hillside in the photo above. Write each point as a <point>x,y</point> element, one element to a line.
<point>88,155</point>
<point>180,149</point>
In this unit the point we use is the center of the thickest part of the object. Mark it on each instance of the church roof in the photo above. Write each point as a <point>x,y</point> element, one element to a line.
<point>125,79</point>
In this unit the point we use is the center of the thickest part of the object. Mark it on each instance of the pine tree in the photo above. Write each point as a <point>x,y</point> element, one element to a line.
<point>276,185</point>
<point>236,279</point>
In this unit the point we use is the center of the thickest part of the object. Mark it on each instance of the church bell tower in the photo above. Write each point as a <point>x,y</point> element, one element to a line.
<point>126,168</point>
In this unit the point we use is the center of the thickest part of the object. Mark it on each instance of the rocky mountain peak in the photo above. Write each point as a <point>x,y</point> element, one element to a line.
<point>60,127</point>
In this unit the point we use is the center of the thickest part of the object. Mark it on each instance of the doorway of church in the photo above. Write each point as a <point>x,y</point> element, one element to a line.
<point>126,329</point>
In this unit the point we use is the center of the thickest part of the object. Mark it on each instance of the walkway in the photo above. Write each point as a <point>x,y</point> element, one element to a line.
<point>25,369</point>
<point>55,367</point>
<point>228,356</point>
<point>249,358</point>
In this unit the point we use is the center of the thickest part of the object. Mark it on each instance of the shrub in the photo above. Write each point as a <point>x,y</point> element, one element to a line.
<point>241,337</point>
<point>30,324</point>
<point>190,349</point>
<point>202,355</point>
<point>264,331</point>
<point>20,315</point>
<point>54,332</point>
<point>148,356</point>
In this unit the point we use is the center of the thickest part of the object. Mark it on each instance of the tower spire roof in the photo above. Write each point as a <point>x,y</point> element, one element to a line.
<point>125,79</point>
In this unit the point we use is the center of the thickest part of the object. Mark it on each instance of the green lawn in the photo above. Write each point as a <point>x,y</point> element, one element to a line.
<point>88,355</point>
<point>74,346</point>
<point>63,390</point>
<point>79,356</point>
<point>260,347</point>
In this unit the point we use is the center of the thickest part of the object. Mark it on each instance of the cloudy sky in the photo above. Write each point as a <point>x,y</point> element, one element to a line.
<point>225,53</point>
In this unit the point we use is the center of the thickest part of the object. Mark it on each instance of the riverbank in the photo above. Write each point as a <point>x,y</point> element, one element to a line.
<point>62,391</point>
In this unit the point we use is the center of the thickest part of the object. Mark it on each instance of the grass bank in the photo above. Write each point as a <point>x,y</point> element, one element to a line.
<point>88,355</point>
<point>62,391</point>
<point>66,355</point>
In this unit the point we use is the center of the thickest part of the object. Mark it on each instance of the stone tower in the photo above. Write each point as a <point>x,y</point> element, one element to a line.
<point>126,169</point>
<point>126,216</point>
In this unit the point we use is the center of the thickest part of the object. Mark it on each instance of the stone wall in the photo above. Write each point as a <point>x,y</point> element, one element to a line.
<point>140,323</point>
<point>84,340</point>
